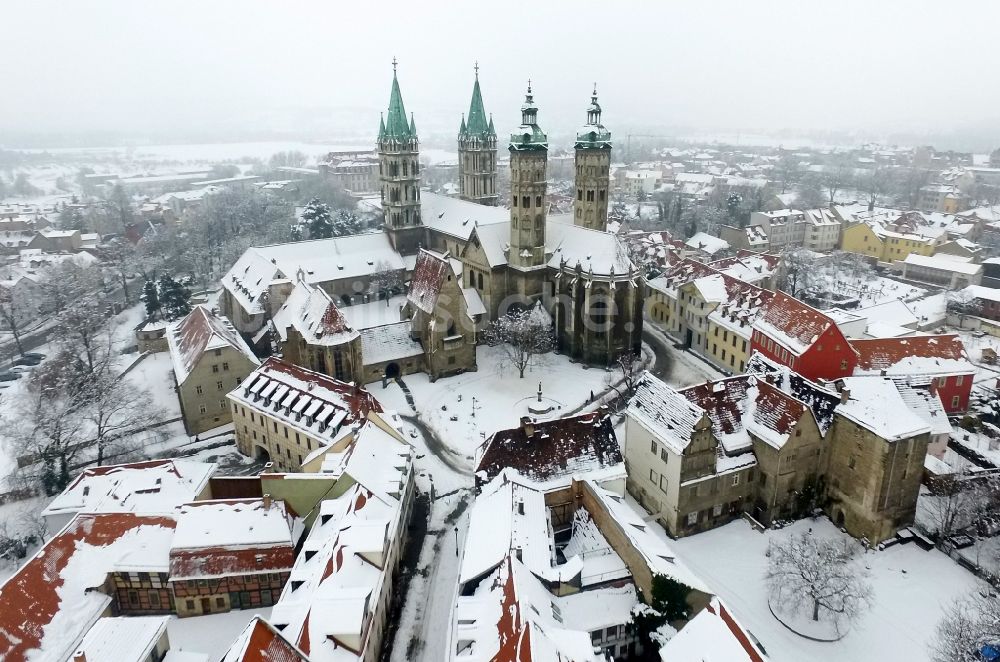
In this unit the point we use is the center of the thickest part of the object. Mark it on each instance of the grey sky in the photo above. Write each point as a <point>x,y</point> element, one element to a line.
<point>184,66</point>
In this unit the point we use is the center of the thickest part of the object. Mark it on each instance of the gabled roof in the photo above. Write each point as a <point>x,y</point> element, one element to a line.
<point>713,634</point>
<point>149,487</point>
<point>745,404</point>
<point>667,414</point>
<point>261,642</point>
<point>821,400</point>
<point>551,453</point>
<point>313,313</point>
<point>876,404</point>
<point>792,323</point>
<point>199,332</point>
<point>429,276</point>
<point>912,356</point>
<point>51,601</point>
<point>123,638</point>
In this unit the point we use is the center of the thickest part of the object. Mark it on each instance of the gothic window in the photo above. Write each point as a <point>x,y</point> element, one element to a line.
<point>590,196</point>
<point>526,201</point>
<point>579,194</point>
<point>405,168</point>
<point>602,196</point>
<point>538,201</point>
<point>480,281</point>
<point>515,200</point>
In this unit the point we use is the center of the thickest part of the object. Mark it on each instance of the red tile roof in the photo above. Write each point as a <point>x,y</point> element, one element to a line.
<point>261,642</point>
<point>555,449</point>
<point>726,402</point>
<point>794,319</point>
<point>429,275</point>
<point>224,561</point>
<point>31,598</point>
<point>884,353</point>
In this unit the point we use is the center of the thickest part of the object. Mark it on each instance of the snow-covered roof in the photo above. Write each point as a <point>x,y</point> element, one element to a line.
<point>713,634</point>
<point>980,292</point>
<point>893,312</point>
<point>199,332</point>
<point>944,262</point>
<point>51,601</point>
<point>912,356</point>
<point>335,584</point>
<point>149,487</point>
<point>593,251</point>
<point>428,278</point>
<point>456,217</point>
<point>552,453</point>
<point>707,243</point>
<point>254,522</point>
<point>262,642</point>
<point>313,313</point>
<point>123,638</point>
<point>389,342</point>
<point>744,405</point>
<point>748,267</point>
<point>793,324</point>
<point>321,261</point>
<point>875,403</point>
<point>303,399</point>
<point>664,412</point>
<point>927,406</point>
<point>821,399</point>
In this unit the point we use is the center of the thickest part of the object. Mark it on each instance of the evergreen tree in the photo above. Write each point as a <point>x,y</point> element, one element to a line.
<point>151,298</point>
<point>174,298</point>
<point>346,222</point>
<point>71,218</point>
<point>318,219</point>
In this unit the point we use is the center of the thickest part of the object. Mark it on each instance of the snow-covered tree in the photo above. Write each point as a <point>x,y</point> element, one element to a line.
<point>318,219</point>
<point>174,297</point>
<point>385,280</point>
<point>818,576</point>
<point>962,303</point>
<point>150,298</point>
<point>523,335</point>
<point>969,630</point>
<point>346,222</point>
<point>668,602</point>
<point>627,369</point>
<point>115,410</point>
<point>952,504</point>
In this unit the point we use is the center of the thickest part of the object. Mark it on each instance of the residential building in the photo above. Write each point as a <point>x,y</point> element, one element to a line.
<point>823,230</point>
<point>550,454</point>
<point>807,341</point>
<point>209,359</point>
<point>641,182</point>
<point>149,487</point>
<point>355,172</point>
<point>230,554</point>
<point>948,271</point>
<point>282,412</point>
<point>336,604</point>
<point>943,198</point>
<point>937,363</point>
<point>751,238</point>
<point>785,228</point>
<point>704,245</point>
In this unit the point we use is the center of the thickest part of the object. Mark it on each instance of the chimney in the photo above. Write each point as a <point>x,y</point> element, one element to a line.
<point>882,372</point>
<point>528,426</point>
<point>845,395</point>
<point>79,656</point>
<point>267,502</point>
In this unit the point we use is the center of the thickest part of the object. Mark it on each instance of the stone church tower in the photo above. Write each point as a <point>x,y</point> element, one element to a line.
<point>399,174</point>
<point>593,166</point>
<point>529,150</point>
<point>477,153</point>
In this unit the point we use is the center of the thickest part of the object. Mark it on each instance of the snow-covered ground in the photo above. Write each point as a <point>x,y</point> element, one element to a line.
<point>911,588</point>
<point>210,635</point>
<point>500,397</point>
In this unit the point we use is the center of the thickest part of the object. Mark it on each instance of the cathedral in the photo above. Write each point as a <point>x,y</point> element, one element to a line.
<point>512,251</point>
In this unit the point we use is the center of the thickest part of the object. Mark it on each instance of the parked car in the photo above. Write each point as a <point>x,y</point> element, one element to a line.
<point>26,361</point>
<point>36,356</point>
<point>9,376</point>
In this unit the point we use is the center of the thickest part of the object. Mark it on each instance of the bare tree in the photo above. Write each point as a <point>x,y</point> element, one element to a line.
<point>952,504</point>
<point>115,410</point>
<point>787,171</point>
<point>836,177</point>
<point>969,625</point>
<point>385,280</point>
<point>16,313</point>
<point>84,331</point>
<point>874,184</point>
<point>523,335</point>
<point>821,575</point>
<point>628,370</point>
<point>962,303</point>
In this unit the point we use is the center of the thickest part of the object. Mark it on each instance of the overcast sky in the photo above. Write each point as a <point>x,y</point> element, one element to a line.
<point>186,66</point>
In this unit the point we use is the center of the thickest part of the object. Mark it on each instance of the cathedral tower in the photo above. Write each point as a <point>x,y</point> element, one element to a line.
<point>477,153</point>
<point>529,149</point>
<point>593,167</point>
<point>399,174</point>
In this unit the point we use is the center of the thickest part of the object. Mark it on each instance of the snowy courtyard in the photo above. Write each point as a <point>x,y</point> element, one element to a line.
<point>911,589</point>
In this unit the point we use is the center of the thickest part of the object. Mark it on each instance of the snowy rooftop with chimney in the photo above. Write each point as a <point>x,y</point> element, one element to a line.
<point>914,356</point>
<point>149,487</point>
<point>199,332</point>
<point>793,324</point>
<point>552,453</point>
<point>663,411</point>
<point>822,400</point>
<point>875,403</point>
<point>233,523</point>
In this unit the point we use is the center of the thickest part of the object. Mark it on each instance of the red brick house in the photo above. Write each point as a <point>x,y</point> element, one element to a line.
<point>798,336</point>
<point>938,363</point>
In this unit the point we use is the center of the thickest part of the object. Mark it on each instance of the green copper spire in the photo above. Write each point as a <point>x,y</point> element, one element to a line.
<point>396,126</point>
<point>381,126</point>
<point>477,124</point>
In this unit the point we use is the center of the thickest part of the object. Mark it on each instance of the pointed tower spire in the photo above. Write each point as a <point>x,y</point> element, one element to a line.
<point>477,113</point>
<point>381,126</point>
<point>413,125</point>
<point>396,125</point>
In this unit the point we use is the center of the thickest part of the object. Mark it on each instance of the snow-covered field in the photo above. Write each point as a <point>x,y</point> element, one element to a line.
<point>911,588</point>
<point>500,396</point>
